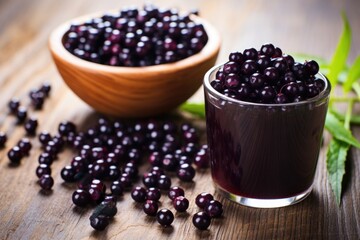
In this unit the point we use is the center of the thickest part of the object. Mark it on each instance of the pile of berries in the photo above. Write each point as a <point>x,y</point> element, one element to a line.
<point>136,37</point>
<point>268,76</point>
<point>201,220</point>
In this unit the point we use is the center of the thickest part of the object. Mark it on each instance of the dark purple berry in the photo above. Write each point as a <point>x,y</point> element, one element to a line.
<point>250,54</point>
<point>150,180</point>
<point>281,98</point>
<point>231,67</point>
<point>186,172</point>
<point>99,223</point>
<point>21,114</point>
<point>116,188</point>
<point>201,220</point>
<point>151,207</point>
<point>153,194</point>
<point>66,127</point>
<point>312,67</point>
<point>25,146</point>
<point>237,57</point>
<point>203,199</point>
<point>13,105</point>
<point>267,49</point>
<point>175,192</point>
<point>249,67</point>
<point>81,198</point>
<point>15,154</point>
<point>201,159</point>
<point>164,182</point>
<point>68,173</point>
<point>138,194</point>
<point>214,209</point>
<point>3,139</point>
<point>232,80</point>
<point>165,217</point>
<point>44,138</point>
<point>46,182</point>
<point>181,204</point>
<point>43,169</point>
<point>257,80</point>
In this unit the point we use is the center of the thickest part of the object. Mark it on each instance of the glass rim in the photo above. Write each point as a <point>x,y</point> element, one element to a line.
<point>321,96</point>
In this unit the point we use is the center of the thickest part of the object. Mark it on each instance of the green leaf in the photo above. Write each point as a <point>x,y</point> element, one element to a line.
<point>197,109</point>
<point>355,119</point>
<point>338,131</point>
<point>353,75</point>
<point>336,156</point>
<point>338,61</point>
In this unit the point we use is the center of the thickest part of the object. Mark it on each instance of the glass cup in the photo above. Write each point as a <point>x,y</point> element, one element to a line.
<point>263,155</point>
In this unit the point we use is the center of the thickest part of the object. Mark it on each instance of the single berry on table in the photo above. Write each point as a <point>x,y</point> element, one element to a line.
<point>150,207</point>
<point>201,220</point>
<point>46,182</point>
<point>165,217</point>
<point>214,209</point>
<point>203,199</point>
<point>181,203</point>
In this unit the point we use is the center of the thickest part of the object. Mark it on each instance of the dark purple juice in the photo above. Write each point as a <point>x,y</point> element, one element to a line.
<point>264,152</point>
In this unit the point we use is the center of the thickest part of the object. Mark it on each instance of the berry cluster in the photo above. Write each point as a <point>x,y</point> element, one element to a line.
<point>211,209</point>
<point>267,76</point>
<point>108,156</point>
<point>37,97</point>
<point>136,37</point>
<point>201,220</point>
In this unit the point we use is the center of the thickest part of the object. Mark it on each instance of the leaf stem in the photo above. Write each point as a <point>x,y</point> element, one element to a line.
<point>346,99</point>
<point>348,114</point>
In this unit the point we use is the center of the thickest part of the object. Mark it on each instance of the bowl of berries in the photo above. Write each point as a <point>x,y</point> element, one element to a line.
<point>135,62</point>
<point>265,115</point>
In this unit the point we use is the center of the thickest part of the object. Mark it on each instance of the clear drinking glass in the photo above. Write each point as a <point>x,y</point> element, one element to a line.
<point>264,155</point>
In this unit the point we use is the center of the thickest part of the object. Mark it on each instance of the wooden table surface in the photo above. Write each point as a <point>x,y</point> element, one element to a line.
<point>308,26</point>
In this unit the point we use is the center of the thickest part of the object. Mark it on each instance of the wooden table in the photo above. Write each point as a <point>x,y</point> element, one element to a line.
<point>306,26</point>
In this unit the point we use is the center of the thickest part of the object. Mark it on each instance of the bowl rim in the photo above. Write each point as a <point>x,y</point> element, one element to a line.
<point>57,49</point>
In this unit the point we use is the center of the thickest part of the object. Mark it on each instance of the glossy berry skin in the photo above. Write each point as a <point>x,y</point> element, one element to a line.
<point>138,194</point>
<point>150,207</point>
<point>214,209</point>
<point>68,174</point>
<point>165,217</point>
<point>201,220</point>
<point>45,158</point>
<point>186,172</point>
<point>46,182</point>
<point>164,182</point>
<point>25,146</point>
<point>116,188</point>
<point>44,138</point>
<point>15,154</point>
<point>3,139</point>
<point>30,126</point>
<point>203,199</point>
<point>181,204</point>
<point>43,169</point>
<point>175,192</point>
<point>81,198</point>
<point>153,194</point>
<point>66,127</point>
<point>99,223</point>
<point>21,114</point>
<point>13,105</point>
<point>150,180</point>
<point>201,159</point>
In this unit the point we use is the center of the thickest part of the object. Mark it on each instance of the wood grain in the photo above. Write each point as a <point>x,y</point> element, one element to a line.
<point>306,26</point>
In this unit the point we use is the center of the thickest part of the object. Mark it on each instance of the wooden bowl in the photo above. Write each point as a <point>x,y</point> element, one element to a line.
<point>133,91</point>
